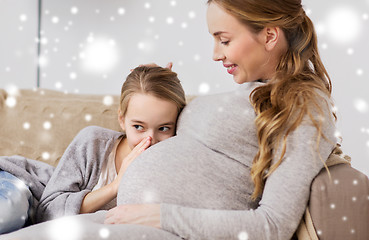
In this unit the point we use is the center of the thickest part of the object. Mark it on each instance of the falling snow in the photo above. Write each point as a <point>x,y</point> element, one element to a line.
<point>104,233</point>
<point>344,24</point>
<point>89,48</point>
<point>204,88</point>
<point>108,100</point>
<point>243,236</point>
<point>74,10</point>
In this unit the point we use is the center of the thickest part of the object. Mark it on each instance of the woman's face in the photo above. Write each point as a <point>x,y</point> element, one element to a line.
<point>148,116</point>
<point>242,52</point>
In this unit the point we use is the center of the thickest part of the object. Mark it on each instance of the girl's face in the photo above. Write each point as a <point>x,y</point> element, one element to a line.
<point>241,51</point>
<point>148,116</point>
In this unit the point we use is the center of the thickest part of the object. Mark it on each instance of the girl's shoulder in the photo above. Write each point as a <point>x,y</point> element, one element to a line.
<point>97,132</point>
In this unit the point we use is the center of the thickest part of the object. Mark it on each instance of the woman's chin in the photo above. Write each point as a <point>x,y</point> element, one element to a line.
<point>239,80</point>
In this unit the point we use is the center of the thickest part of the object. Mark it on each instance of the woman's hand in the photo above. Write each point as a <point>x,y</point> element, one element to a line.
<point>169,65</point>
<point>144,214</point>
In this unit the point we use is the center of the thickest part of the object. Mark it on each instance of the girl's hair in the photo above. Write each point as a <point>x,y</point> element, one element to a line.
<point>156,81</point>
<point>291,93</point>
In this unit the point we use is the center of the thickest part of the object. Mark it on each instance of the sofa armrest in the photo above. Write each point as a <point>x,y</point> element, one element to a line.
<point>339,203</point>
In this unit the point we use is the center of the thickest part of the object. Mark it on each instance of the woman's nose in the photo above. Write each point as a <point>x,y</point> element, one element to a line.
<point>217,54</point>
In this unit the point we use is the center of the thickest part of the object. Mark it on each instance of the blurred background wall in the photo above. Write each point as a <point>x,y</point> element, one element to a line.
<point>89,46</point>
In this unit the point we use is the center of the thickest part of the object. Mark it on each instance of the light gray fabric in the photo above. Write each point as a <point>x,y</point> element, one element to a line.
<point>77,173</point>
<point>35,174</point>
<point>87,227</point>
<point>15,202</point>
<point>207,166</point>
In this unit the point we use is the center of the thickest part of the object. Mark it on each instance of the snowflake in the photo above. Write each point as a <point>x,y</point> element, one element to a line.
<point>243,236</point>
<point>359,72</point>
<point>58,228</point>
<point>45,155</point>
<point>74,10</point>
<point>26,125</point>
<point>151,19</point>
<point>108,100</point>
<point>170,20</point>
<point>88,117</point>
<point>361,105</point>
<point>121,11</point>
<point>73,75</point>
<point>23,17</point>
<point>11,102</point>
<point>350,51</point>
<point>204,88</point>
<point>197,57</point>
<point>191,14</point>
<point>47,125</point>
<point>104,233</point>
<point>55,19</point>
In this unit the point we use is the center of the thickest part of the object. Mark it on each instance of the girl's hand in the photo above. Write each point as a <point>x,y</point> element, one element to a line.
<point>136,151</point>
<point>96,199</point>
<point>144,214</point>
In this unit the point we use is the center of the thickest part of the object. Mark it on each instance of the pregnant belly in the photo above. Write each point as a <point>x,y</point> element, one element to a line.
<point>183,171</point>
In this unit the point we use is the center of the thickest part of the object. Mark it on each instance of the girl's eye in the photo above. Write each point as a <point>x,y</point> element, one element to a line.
<point>164,129</point>
<point>138,127</point>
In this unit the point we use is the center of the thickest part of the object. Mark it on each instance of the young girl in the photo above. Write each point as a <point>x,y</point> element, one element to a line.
<point>89,172</point>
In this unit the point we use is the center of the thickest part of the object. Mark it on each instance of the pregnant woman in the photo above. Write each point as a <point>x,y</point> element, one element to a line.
<point>251,153</point>
<point>242,162</point>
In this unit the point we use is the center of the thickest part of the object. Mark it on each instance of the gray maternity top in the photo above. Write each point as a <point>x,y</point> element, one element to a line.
<point>202,175</point>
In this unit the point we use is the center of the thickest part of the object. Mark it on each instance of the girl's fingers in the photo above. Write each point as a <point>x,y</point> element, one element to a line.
<point>142,146</point>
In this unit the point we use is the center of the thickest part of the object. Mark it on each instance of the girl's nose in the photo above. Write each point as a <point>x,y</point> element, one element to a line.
<point>153,136</point>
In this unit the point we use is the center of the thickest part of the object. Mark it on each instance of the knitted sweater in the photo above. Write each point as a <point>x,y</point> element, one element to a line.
<point>77,173</point>
<point>202,175</point>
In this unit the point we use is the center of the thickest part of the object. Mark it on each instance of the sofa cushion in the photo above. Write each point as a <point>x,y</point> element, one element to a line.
<point>339,203</point>
<point>40,124</point>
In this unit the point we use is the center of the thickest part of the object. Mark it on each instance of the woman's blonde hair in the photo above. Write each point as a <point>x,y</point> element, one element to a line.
<point>291,93</point>
<point>159,82</point>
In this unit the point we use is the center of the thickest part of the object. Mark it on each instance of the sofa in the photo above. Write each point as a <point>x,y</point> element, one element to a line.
<point>40,123</point>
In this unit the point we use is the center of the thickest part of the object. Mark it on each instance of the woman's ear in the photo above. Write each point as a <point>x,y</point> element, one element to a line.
<point>121,120</point>
<point>272,37</point>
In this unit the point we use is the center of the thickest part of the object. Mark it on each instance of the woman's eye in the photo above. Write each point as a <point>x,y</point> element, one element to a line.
<point>164,129</point>
<point>224,42</point>
<point>138,127</point>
